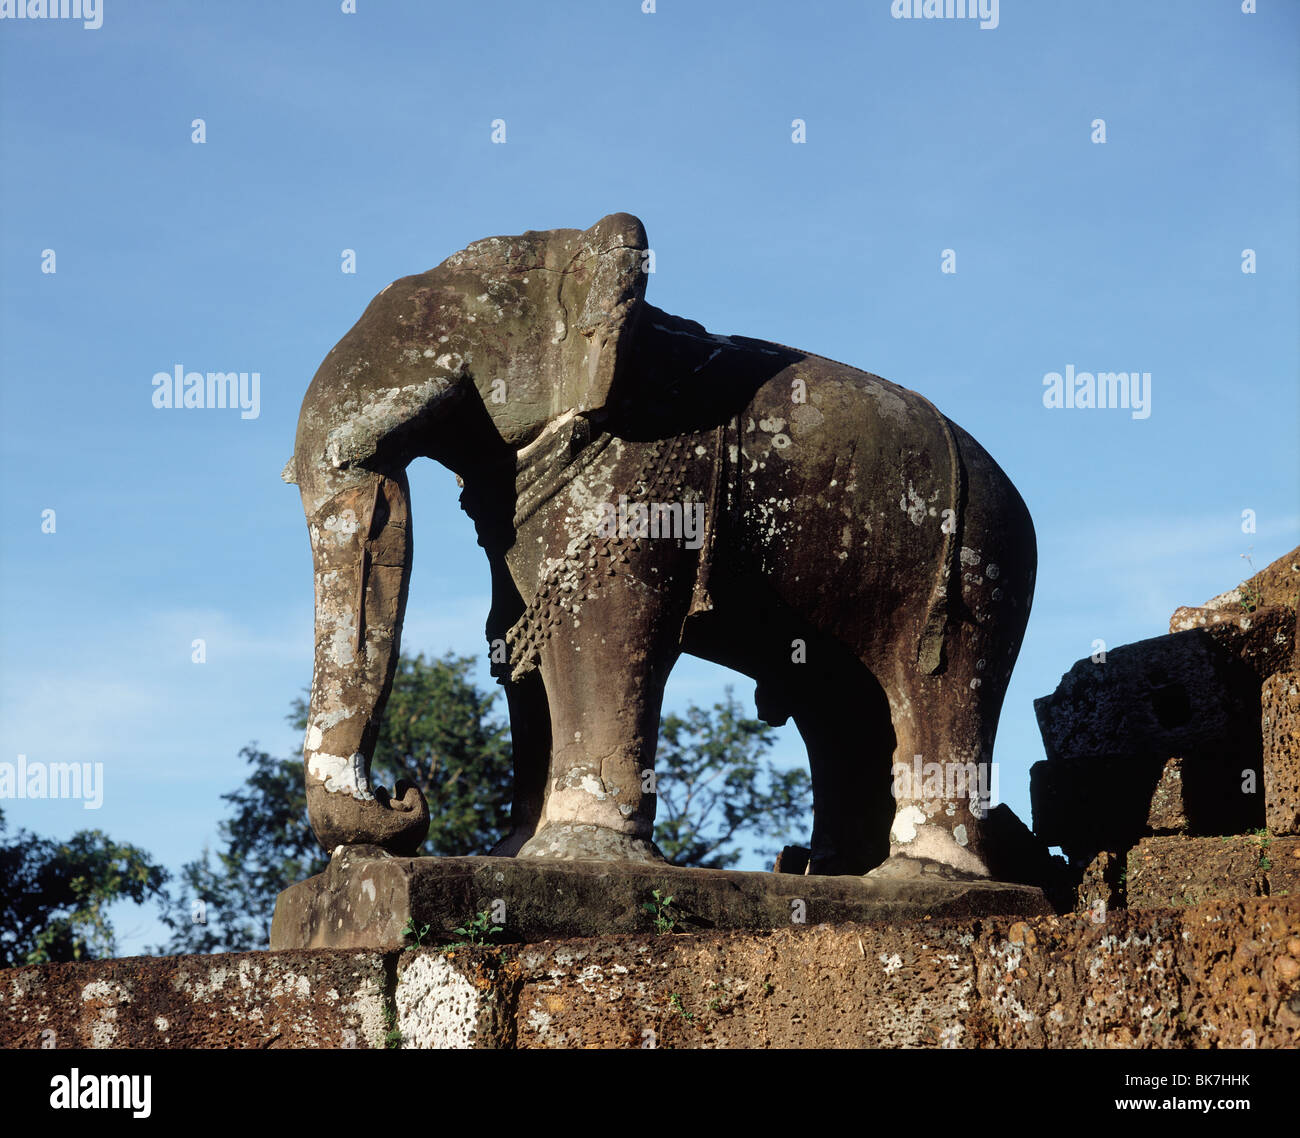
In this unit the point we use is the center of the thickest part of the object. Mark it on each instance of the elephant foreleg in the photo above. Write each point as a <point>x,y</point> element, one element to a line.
<point>604,676</point>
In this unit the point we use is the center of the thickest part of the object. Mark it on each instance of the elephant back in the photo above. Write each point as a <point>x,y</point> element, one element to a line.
<point>848,485</point>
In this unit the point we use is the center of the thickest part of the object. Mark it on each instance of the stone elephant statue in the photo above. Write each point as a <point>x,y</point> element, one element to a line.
<point>642,488</point>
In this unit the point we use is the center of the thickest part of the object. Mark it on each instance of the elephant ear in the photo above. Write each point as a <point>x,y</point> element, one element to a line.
<point>601,295</point>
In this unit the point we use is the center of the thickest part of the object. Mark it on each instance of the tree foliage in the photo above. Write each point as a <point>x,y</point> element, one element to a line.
<point>268,845</point>
<point>714,782</point>
<point>438,731</point>
<point>53,895</point>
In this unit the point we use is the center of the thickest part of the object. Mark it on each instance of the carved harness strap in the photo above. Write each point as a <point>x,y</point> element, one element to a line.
<point>552,463</point>
<point>662,477</point>
<point>946,593</point>
<point>719,491</point>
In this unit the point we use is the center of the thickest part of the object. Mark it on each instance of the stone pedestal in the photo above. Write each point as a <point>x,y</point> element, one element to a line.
<point>365,899</point>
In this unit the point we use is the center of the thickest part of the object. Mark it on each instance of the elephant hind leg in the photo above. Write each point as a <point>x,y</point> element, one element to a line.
<point>838,705</point>
<point>940,780</point>
<point>946,722</point>
<point>530,739</point>
<point>843,716</point>
<point>942,771</point>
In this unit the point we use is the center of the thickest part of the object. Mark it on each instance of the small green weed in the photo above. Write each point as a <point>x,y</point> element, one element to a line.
<point>661,912</point>
<point>1250,594</point>
<point>418,935</point>
<point>1264,839</point>
<point>393,1037</point>
<point>479,929</point>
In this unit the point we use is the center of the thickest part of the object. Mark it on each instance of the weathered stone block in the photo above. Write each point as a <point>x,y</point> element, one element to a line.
<point>1169,695</point>
<point>1240,973</point>
<point>1110,730</point>
<point>1102,883</point>
<point>1280,728</point>
<point>1166,872</point>
<point>1109,804</point>
<point>235,1000</point>
<point>1222,974</point>
<point>1255,622</point>
<point>806,988</point>
<point>1124,980</point>
<point>1276,585</point>
<point>365,901</point>
<point>1088,807</point>
<point>1264,640</point>
<point>1106,981</point>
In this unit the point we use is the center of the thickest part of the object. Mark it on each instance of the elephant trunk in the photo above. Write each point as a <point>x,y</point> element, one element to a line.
<point>361,548</point>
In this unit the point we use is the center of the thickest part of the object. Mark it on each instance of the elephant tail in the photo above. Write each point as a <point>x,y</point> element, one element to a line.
<point>946,593</point>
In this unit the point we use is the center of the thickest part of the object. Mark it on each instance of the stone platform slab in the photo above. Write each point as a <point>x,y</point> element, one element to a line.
<point>367,900</point>
<point>1223,974</point>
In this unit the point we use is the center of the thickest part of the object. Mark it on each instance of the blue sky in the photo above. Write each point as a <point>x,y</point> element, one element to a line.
<point>372,131</point>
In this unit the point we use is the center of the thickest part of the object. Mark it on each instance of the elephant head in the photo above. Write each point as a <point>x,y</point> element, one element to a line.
<point>467,363</point>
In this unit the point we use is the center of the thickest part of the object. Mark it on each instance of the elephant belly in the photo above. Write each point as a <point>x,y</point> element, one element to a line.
<point>840,487</point>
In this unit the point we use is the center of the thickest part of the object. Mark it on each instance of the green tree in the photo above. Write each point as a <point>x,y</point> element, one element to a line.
<point>268,845</point>
<point>714,783</point>
<point>53,895</point>
<point>438,731</point>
